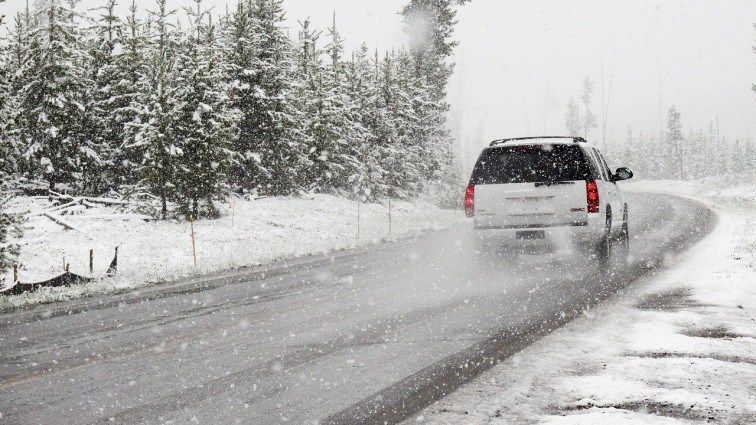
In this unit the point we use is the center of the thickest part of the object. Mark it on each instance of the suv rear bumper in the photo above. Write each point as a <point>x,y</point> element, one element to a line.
<point>561,235</point>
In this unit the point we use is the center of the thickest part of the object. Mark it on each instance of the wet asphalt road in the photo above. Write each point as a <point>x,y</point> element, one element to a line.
<point>372,335</point>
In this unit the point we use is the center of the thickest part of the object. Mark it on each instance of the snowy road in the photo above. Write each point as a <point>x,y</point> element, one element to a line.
<point>364,336</point>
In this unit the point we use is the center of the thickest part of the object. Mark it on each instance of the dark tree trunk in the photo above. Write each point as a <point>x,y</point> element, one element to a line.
<point>163,204</point>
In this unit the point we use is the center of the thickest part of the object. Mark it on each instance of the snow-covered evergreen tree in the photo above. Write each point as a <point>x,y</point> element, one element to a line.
<point>241,39</point>
<point>673,146</point>
<point>404,93</point>
<point>12,57</point>
<point>359,94</point>
<point>130,94</point>
<point>391,138</point>
<point>9,223</point>
<point>308,97</point>
<point>107,76</point>
<point>203,124</point>
<point>588,121</point>
<point>430,25</point>
<point>739,159</point>
<point>52,120</point>
<point>158,168</point>
<point>342,114</point>
<point>748,157</point>
<point>6,71</point>
<point>695,154</point>
<point>572,118</point>
<point>326,111</point>
<point>268,141</point>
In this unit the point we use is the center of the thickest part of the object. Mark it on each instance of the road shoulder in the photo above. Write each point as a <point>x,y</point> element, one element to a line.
<point>251,234</point>
<point>677,346</point>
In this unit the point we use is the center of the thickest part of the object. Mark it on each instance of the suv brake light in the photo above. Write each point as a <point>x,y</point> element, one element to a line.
<point>592,196</point>
<point>470,201</point>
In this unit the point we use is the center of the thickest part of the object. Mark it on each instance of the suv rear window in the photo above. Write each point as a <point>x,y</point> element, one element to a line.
<point>530,164</point>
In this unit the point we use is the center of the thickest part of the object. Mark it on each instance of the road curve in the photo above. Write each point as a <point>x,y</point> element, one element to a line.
<point>368,336</point>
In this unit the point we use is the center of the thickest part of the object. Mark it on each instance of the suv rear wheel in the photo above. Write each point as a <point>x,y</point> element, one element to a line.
<point>604,247</point>
<point>624,248</point>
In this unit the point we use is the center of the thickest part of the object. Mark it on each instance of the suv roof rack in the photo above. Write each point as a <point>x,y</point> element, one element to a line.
<point>502,141</point>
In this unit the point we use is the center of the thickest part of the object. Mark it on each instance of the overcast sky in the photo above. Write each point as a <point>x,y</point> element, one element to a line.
<point>519,62</point>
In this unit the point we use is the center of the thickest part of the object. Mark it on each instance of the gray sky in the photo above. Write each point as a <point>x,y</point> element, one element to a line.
<point>519,62</point>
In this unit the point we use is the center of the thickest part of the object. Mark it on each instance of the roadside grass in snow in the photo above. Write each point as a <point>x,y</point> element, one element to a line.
<point>679,346</point>
<point>259,231</point>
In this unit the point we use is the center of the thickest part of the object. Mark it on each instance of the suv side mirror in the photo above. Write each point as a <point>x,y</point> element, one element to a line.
<point>622,173</point>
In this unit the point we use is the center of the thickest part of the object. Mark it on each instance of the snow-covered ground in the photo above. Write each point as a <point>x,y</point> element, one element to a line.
<point>676,347</point>
<point>257,232</point>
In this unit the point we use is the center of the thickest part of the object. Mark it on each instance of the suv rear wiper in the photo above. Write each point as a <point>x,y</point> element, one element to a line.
<point>539,184</point>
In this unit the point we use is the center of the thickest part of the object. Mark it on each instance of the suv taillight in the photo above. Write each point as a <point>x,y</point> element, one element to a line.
<point>470,201</point>
<point>592,196</point>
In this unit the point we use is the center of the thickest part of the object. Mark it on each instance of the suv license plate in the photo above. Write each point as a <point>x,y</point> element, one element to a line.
<point>531,234</point>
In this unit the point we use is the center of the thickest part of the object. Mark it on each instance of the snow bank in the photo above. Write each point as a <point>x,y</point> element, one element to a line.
<point>678,346</point>
<point>734,188</point>
<point>257,232</point>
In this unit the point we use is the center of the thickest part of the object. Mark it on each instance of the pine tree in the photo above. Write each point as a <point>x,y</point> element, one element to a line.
<point>674,140</point>
<point>309,97</point>
<point>106,74</point>
<point>430,25</point>
<point>158,168</point>
<point>748,157</point>
<point>330,127</point>
<point>6,152</point>
<point>572,118</point>
<point>393,144</point>
<point>738,158</point>
<point>10,228</point>
<point>243,66</point>
<point>715,164</point>
<point>696,158</point>
<point>358,92</point>
<point>203,123</point>
<point>130,96</point>
<point>12,58</point>
<point>429,137</point>
<point>52,120</point>
<point>342,112</point>
<point>270,144</point>
<point>589,119</point>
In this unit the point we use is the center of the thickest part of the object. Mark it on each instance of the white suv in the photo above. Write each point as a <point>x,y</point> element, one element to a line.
<point>550,191</point>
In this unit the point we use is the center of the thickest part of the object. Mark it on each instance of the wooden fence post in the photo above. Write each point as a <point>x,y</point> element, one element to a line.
<point>91,261</point>
<point>233,208</point>
<point>194,247</point>
<point>389,215</point>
